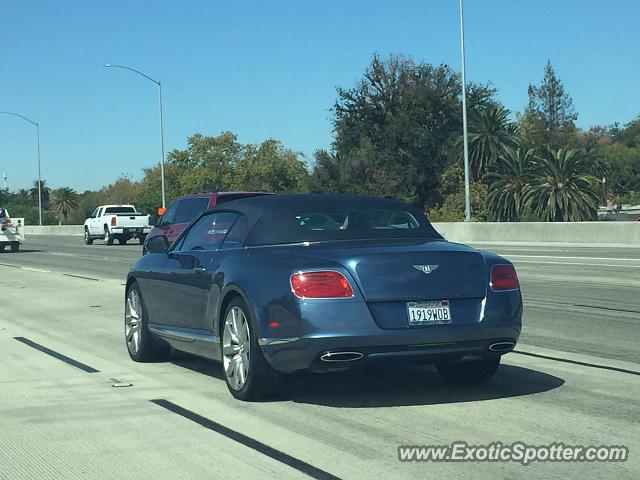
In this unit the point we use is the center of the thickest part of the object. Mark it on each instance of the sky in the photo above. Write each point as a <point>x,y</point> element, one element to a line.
<point>269,69</point>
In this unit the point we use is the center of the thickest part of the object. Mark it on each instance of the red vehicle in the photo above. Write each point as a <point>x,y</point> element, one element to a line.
<point>183,210</point>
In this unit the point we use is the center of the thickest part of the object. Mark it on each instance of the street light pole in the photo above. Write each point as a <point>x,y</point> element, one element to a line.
<point>37,125</point>
<point>161,145</point>
<point>157,82</point>
<point>39,176</point>
<point>467,199</point>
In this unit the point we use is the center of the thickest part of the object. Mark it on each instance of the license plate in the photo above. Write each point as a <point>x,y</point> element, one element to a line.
<point>429,313</point>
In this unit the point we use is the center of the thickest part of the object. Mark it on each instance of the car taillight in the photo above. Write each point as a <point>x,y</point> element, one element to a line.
<point>113,221</point>
<point>504,277</point>
<point>323,284</point>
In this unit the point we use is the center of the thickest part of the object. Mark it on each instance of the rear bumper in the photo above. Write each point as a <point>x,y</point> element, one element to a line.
<point>408,346</point>
<point>130,230</point>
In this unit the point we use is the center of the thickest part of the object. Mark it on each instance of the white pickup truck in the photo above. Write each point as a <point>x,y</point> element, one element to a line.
<point>116,222</point>
<point>11,231</point>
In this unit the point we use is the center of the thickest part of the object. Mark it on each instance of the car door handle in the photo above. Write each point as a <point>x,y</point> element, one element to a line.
<point>200,269</point>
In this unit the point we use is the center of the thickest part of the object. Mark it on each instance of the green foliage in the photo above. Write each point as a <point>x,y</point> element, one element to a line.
<point>451,208</point>
<point>629,135</point>
<point>270,167</point>
<point>45,192</point>
<point>549,120</point>
<point>509,180</point>
<point>222,164</point>
<point>490,133</point>
<point>395,131</point>
<point>563,190</point>
<point>63,201</point>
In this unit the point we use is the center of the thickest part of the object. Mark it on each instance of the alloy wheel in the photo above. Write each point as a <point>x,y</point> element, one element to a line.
<point>236,348</point>
<point>133,322</point>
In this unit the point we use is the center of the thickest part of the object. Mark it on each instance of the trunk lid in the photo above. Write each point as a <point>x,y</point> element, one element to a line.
<point>390,275</point>
<point>431,270</point>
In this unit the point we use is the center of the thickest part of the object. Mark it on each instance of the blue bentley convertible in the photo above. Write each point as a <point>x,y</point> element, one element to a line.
<point>281,283</point>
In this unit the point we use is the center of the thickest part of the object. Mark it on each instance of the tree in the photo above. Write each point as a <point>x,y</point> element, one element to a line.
<point>629,135</point>
<point>509,180</point>
<point>208,163</point>
<point>122,191</point>
<point>63,201</point>
<point>270,167</point>
<point>490,134</point>
<point>395,131</point>
<point>219,164</point>
<point>549,119</point>
<point>563,190</point>
<point>326,176</point>
<point>45,193</point>
<point>451,187</point>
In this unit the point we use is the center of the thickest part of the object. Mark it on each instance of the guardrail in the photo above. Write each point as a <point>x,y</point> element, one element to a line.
<point>622,233</point>
<point>54,230</point>
<point>588,233</point>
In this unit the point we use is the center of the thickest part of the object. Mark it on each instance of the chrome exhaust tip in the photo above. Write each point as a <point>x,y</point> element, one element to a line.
<point>502,346</point>
<point>341,356</point>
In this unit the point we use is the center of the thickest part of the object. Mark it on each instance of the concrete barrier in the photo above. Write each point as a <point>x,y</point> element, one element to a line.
<point>54,230</point>
<point>587,233</point>
<point>594,233</point>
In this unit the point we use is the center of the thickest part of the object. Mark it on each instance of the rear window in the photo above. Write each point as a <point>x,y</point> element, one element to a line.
<point>190,208</point>
<point>329,221</point>
<point>119,210</point>
<point>363,219</point>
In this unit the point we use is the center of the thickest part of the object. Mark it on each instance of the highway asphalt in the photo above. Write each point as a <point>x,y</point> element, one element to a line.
<point>577,299</point>
<point>73,405</point>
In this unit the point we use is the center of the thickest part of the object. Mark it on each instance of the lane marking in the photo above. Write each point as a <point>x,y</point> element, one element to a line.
<point>577,362</point>
<point>295,463</point>
<point>607,308</point>
<point>577,263</point>
<point>9,265</point>
<point>59,356</point>
<point>81,276</point>
<point>31,269</point>
<point>579,258</point>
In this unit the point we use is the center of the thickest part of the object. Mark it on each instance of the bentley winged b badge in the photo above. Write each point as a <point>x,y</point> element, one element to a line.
<point>426,268</point>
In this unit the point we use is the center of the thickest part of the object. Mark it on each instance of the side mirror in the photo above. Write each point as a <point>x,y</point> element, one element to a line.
<point>158,244</point>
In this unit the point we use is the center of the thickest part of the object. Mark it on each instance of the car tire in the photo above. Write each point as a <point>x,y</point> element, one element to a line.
<point>141,240</point>
<point>244,358</point>
<point>2,247</point>
<point>122,240</point>
<point>15,246</point>
<point>108,238</point>
<point>141,345</point>
<point>468,372</point>
<point>87,238</point>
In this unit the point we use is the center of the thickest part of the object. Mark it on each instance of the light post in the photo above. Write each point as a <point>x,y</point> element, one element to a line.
<point>467,199</point>
<point>157,82</point>
<point>39,169</point>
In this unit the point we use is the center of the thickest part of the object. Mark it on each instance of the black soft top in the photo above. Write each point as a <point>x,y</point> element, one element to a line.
<point>272,218</point>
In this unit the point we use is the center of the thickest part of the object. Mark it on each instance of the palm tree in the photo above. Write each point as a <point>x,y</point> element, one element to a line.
<point>509,179</point>
<point>563,191</point>
<point>33,193</point>
<point>64,200</point>
<point>490,133</point>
